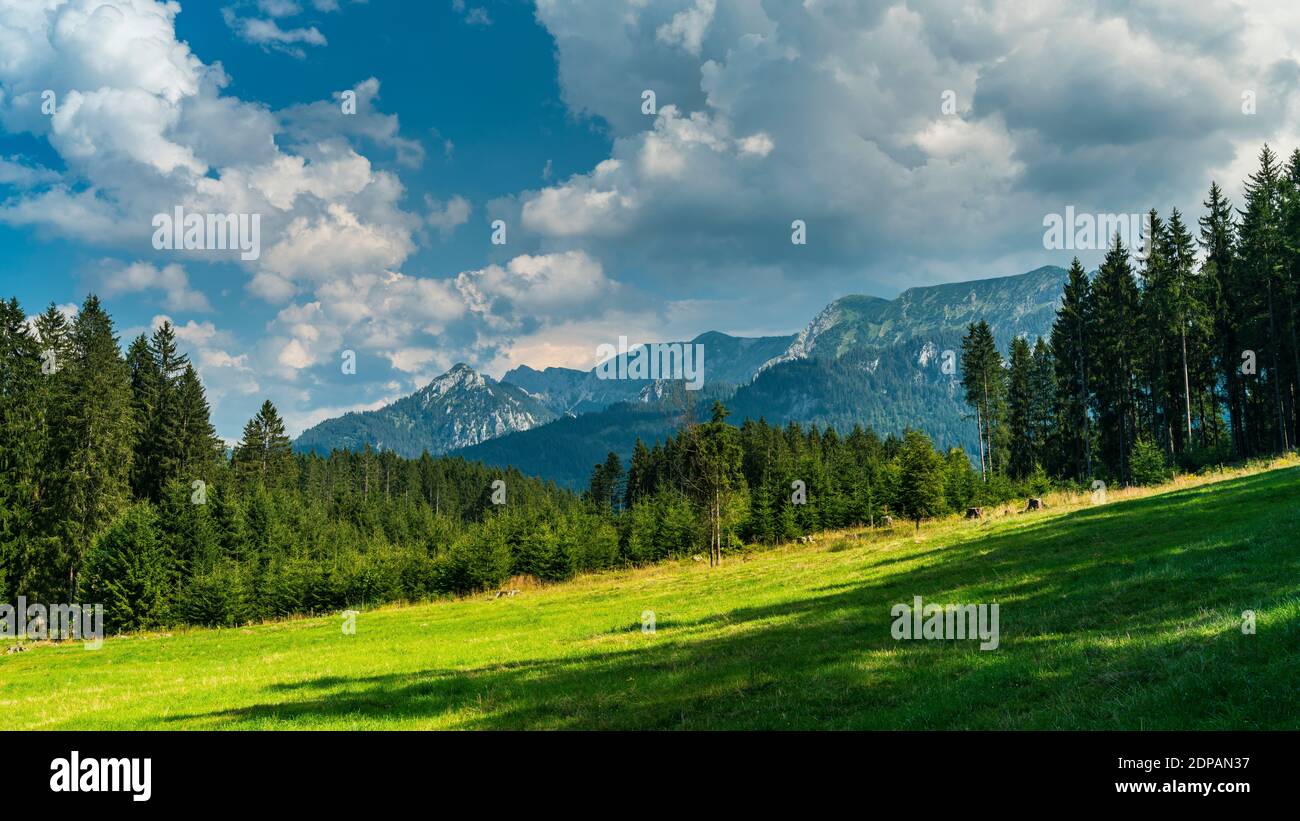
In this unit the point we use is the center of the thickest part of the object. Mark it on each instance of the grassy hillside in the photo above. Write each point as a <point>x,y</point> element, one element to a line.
<point>1123,615</point>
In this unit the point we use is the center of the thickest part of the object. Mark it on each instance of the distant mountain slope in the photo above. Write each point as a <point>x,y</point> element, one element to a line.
<point>728,361</point>
<point>878,363</point>
<point>459,408</point>
<point>565,450</point>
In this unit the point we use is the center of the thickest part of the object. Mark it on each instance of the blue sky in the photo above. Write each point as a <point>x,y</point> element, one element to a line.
<point>661,225</point>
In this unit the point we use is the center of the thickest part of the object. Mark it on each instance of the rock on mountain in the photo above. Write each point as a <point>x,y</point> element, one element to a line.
<point>879,363</point>
<point>455,410</point>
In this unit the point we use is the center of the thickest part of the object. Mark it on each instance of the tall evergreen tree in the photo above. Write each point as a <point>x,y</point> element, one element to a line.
<point>1071,338</point>
<point>22,447</point>
<point>984,382</point>
<point>94,433</point>
<point>1221,289</point>
<point>1114,357</point>
<point>1023,456</point>
<point>263,454</point>
<point>1261,259</point>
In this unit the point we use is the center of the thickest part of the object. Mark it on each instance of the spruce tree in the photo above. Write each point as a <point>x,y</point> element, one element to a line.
<point>22,446</point>
<point>94,434</point>
<point>264,455</point>
<point>920,478</point>
<point>1221,294</point>
<point>1114,354</point>
<point>1071,336</point>
<point>146,385</point>
<point>1020,400</point>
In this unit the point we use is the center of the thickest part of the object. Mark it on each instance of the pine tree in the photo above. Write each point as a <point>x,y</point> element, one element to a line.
<point>1188,313</point>
<point>639,475</point>
<point>199,449</point>
<point>127,570</point>
<point>984,381</point>
<point>22,446</point>
<point>1114,354</point>
<point>165,447</point>
<point>146,385</point>
<point>1071,337</point>
<point>94,434</point>
<point>1220,288</point>
<point>1152,352</point>
<point>920,478</point>
<point>263,454</point>
<point>1023,455</point>
<point>1261,259</point>
<point>712,458</point>
<point>1042,394</point>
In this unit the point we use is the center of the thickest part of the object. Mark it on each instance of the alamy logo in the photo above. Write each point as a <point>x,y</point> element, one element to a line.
<point>656,360</point>
<point>37,622</point>
<point>1094,232</point>
<point>180,231</point>
<point>938,622</point>
<point>75,774</point>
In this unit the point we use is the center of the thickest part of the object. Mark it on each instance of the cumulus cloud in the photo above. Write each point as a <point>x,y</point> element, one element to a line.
<point>172,280</point>
<point>321,121</point>
<point>529,289</point>
<point>143,126</point>
<point>830,112</point>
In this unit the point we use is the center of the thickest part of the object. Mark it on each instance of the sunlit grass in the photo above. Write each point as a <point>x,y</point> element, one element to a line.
<point>1122,615</point>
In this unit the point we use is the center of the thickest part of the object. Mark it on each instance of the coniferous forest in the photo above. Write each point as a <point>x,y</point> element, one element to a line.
<point>114,487</point>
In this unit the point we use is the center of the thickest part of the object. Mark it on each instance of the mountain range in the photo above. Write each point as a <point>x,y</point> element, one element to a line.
<point>861,360</point>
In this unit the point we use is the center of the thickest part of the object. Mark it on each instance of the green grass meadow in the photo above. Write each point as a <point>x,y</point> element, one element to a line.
<point>1125,615</point>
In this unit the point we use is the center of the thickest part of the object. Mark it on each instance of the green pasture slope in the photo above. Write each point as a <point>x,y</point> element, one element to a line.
<point>1123,615</point>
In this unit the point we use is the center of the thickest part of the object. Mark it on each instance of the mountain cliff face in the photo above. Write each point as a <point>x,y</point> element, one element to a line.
<point>1024,304</point>
<point>880,363</point>
<point>456,410</point>
<point>862,360</point>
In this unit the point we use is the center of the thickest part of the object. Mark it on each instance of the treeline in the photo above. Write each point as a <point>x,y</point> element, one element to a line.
<point>1162,363</point>
<point>115,489</point>
<point>718,485</point>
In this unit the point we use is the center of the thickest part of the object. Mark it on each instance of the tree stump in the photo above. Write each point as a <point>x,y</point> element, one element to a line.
<point>887,521</point>
<point>974,512</point>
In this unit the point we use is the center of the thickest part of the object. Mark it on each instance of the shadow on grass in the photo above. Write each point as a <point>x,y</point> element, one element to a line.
<point>1119,616</point>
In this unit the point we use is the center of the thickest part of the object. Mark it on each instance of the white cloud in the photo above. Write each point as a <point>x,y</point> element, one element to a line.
<point>171,279</point>
<point>448,216</point>
<point>687,28</point>
<point>551,286</point>
<point>13,171</point>
<point>268,34</point>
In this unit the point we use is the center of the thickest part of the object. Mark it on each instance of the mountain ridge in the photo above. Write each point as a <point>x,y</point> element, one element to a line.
<point>861,360</point>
